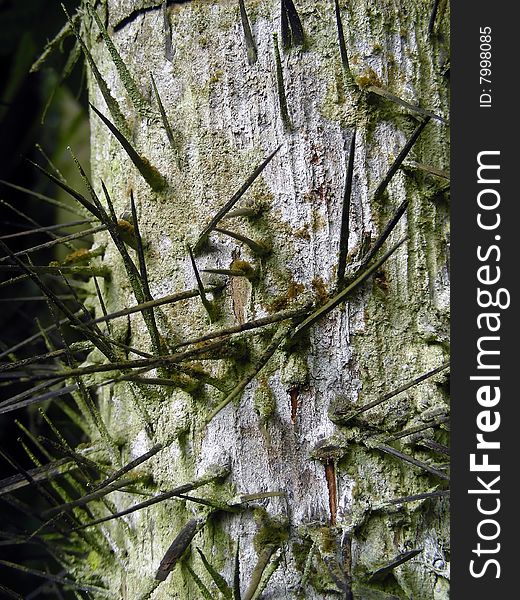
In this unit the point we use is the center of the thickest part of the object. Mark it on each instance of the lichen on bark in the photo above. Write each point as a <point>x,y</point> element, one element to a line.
<point>226,117</point>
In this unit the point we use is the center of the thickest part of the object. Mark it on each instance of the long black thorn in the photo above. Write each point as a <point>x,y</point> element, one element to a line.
<point>61,580</point>
<point>205,302</point>
<point>395,562</point>
<point>167,30</point>
<point>148,315</point>
<point>248,34</point>
<point>32,338</point>
<point>413,461</point>
<point>106,350</point>
<point>291,27</point>
<point>415,497</point>
<point>418,429</point>
<point>345,211</point>
<point>71,191</point>
<point>146,364</point>
<point>397,391</point>
<point>401,156</point>
<point>111,102</point>
<point>47,471</point>
<point>257,248</point>
<point>30,220</point>
<point>384,235</point>
<point>252,372</point>
<point>102,305</point>
<point>435,446</point>
<point>433,17</point>
<point>342,44</point>
<point>413,107</point>
<point>90,497</point>
<point>51,163</point>
<point>129,466</point>
<point>170,299</point>
<point>165,121</point>
<point>43,197</point>
<point>187,487</point>
<point>341,296</point>
<point>232,201</point>
<point>236,574</point>
<point>149,173</point>
<point>57,241</point>
<point>34,359</point>
<point>280,86</point>
<point>45,229</point>
<point>261,322</point>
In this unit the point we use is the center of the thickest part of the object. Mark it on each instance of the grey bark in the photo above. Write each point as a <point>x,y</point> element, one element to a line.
<point>283,433</point>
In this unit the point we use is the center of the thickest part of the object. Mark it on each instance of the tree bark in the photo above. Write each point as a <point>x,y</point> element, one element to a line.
<point>288,431</point>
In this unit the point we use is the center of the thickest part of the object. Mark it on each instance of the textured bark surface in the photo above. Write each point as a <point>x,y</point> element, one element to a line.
<point>278,435</point>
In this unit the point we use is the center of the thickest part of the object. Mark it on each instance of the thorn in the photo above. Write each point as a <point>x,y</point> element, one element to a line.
<point>291,19</point>
<point>248,34</point>
<point>236,574</point>
<point>48,228</point>
<point>435,446</point>
<point>111,102</point>
<point>49,577</point>
<point>44,198</point>
<point>206,303</point>
<point>413,107</point>
<point>258,248</point>
<point>148,314</point>
<point>248,325</point>
<point>149,173</point>
<point>281,86</point>
<point>343,46</point>
<point>415,497</point>
<point>232,201</point>
<point>165,122</point>
<point>293,394</point>
<point>433,17</point>
<point>412,461</point>
<point>341,296</point>
<point>395,562</point>
<point>219,581</point>
<point>345,211</point>
<point>251,373</point>
<point>402,155</point>
<point>210,476</point>
<point>129,466</point>
<point>417,429</point>
<point>167,29</point>
<point>124,74</point>
<point>395,392</point>
<point>386,232</point>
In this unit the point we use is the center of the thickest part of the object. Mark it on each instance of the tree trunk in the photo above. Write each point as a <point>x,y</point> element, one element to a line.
<point>290,426</point>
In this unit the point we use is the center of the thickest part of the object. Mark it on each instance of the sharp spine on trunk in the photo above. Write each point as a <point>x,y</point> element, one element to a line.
<point>395,562</point>
<point>248,34</point>
<point>374,89</point>
<point>232,201</point>
<point>166,124</point>
<point>401,156</point>
<point>111,102</point>
<point>149,173</point>
<point>343,46</point>
<point>345,211</point>
<point>280,86</point>
<point>131,88</point>
<point>257,248</point>
<point>291,29</point>
<point>206,303</point>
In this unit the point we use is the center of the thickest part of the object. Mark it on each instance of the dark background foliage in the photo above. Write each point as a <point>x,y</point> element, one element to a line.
<point>25,27</point>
